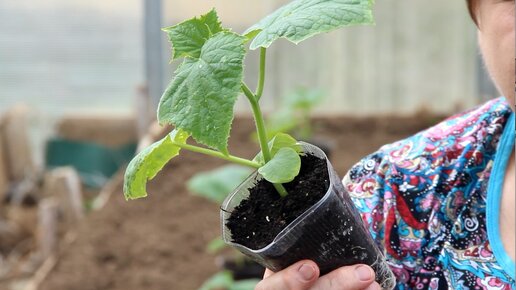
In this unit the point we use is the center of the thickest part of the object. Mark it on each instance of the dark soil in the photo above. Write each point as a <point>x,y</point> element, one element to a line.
<point>258,219</point>
<point>158,242</point>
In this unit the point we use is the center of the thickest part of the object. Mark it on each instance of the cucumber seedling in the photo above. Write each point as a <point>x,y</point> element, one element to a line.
<point>200,98</point>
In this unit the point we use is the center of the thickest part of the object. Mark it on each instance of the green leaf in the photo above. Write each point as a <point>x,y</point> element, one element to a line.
<point>149,162</point>
<point>221,280</point>
<point>248,284</point>
<point>201,97</point>
<point>188,37</point>
<point>281,140</point>
<point>216,245</point>
<point>215,185</point>
<point>301,19</point>
<point>283,167</point>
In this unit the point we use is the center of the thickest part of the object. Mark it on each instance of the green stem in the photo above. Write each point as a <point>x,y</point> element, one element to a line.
<point>280,189</point>
<point>218,154</point>
<point>260,125</point>
<point>262,134</point>
<point>261,80</point>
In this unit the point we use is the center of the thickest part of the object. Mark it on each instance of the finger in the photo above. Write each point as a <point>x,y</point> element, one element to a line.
<point>356,277</point>
<point>267,273</point>
<point>299,276</point>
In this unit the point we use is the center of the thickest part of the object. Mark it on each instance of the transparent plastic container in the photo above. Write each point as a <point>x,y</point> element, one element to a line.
<point>331,232</point>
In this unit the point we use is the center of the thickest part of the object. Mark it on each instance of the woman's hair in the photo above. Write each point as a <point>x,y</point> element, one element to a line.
<point>472,9</point>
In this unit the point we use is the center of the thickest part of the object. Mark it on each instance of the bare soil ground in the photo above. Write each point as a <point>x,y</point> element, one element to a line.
<point>159,242</point>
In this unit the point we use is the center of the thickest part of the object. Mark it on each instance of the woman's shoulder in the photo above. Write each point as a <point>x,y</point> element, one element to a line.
<point>441,151</point>
<point>440,146</point>
<point>453,134</point>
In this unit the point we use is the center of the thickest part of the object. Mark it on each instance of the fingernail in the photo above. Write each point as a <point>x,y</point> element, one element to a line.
<point>364,273</point>
<point>306,272</point>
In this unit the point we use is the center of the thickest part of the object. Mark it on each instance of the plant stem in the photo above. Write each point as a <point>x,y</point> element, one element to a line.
<point>262,134</point>
<point>261,80</point>
<point>260,125</point>
<point>213,153</point>
<point>280,189</point>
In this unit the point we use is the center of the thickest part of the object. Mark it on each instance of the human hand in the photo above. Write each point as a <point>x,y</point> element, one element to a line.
<point>304,275</point>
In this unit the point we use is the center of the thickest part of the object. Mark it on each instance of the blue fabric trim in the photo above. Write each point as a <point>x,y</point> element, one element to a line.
<point>494,196</point>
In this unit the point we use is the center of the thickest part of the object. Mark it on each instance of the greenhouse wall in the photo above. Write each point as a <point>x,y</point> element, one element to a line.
<point>88,55</point>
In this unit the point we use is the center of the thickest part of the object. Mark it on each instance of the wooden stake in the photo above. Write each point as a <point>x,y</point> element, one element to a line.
<point>65,185</point>
<point>4,174</point>
<point>17,146</point>
<point>47,236</point>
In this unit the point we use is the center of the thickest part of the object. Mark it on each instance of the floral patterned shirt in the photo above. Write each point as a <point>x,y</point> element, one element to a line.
<point>432,201</point>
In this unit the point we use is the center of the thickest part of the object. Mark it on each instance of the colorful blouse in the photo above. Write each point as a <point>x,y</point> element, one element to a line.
<point>432,201</point>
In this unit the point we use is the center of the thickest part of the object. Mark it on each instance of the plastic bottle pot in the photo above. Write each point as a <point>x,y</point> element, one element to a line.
<point>330,232</point>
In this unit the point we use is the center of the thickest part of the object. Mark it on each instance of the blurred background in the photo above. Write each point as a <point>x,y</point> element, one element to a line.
<point>79,82</point>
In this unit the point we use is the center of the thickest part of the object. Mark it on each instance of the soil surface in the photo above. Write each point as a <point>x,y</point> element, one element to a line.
<point>254,225</point>
<point>159,242</point>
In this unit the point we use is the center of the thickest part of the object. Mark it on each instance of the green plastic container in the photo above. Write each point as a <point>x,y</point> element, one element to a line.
<point>95,163</point>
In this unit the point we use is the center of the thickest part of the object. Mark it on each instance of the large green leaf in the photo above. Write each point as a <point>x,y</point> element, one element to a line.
<point>279,141</point>
<point>301,19</point>
<point>283,167</point>
<point>215,185</point>
<point>149,162</point>
<point>188,37</point>
<point>201,97</point>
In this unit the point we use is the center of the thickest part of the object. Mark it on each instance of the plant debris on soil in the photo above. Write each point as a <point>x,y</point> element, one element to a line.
<point>159,242</point>
<point>257,220</point>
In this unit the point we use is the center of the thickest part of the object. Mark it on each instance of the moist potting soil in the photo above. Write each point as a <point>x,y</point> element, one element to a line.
<point>260,218</point>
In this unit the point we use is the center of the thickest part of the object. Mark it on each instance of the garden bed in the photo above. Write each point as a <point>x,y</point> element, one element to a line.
<point>159,242</point>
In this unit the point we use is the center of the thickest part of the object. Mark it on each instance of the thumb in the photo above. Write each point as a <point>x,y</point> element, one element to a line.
<point>299,276</point>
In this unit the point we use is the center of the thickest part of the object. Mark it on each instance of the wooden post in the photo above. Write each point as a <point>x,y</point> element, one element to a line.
<point>47,234</point>
<point>4,176</point>
<point>65,185</point>
<point>17,146</point>
<point>144,110</point>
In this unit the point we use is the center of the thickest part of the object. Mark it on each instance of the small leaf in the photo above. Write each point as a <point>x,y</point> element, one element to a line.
<point>301,19</point>
<point>201,97</point>
<point>279,141</point>
<point>215,185</point>
<point>188,37</point>
<point>221,280</point>
<point>216,245</point>
<point>282,140</point>
<point>283,167</point>
<point>149,162</point>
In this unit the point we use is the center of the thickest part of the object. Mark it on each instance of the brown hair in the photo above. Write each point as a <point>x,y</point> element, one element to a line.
<point>472,7</point>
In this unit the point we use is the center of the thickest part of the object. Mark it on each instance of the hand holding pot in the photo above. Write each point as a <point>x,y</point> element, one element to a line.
<point>304,275</point>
